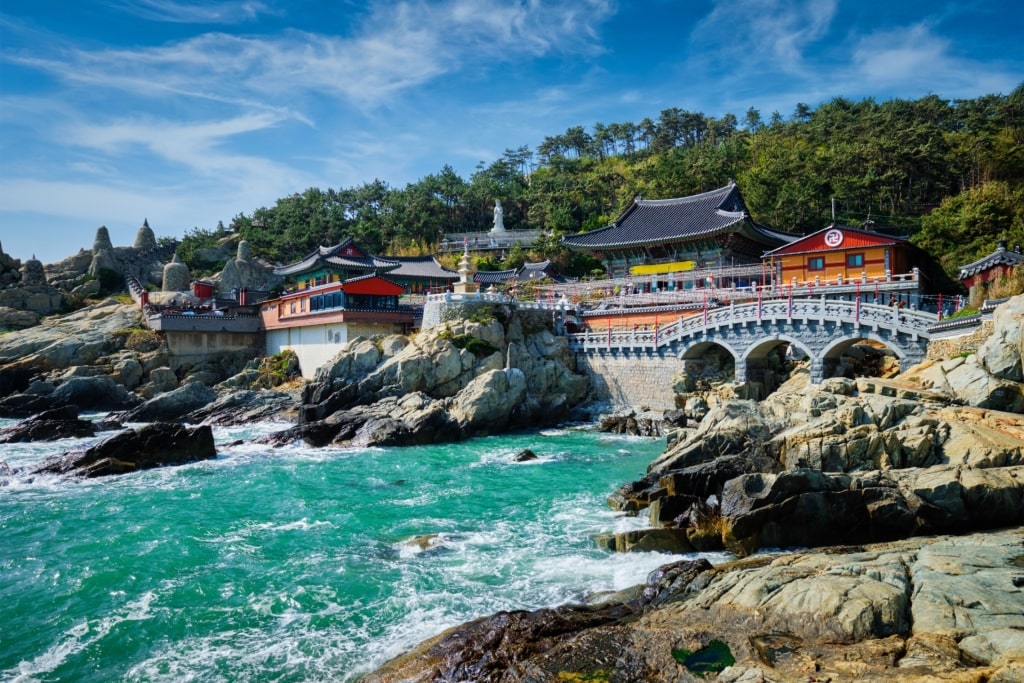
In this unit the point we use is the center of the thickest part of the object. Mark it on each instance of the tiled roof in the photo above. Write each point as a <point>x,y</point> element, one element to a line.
<point>365,263</point>
<point>656,221</point>
<point>347,254</point>
<point>529,271</point>
<point>423,267</point>
<point>1000,257</point>
<point>488,277</point>
<point>534,271</point>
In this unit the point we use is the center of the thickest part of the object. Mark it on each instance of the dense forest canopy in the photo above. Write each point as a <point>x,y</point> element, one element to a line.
<point>948,173</point>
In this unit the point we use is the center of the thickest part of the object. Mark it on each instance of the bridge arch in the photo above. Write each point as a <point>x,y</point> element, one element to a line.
<point>831,355</point>
<point>762,362</point>
<point>696,359</point>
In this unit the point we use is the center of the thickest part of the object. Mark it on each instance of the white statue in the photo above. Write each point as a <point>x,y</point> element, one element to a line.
<point>499,217</point>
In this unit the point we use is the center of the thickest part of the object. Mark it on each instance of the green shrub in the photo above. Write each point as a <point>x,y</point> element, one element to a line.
<point>277,369</point>
<point>478,347</point>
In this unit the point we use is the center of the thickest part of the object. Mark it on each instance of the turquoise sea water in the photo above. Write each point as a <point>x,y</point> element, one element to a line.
<point>295,564</point>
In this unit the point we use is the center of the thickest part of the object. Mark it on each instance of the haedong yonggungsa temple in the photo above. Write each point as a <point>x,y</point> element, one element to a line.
<point>674,236</point>
<point>674,256</point>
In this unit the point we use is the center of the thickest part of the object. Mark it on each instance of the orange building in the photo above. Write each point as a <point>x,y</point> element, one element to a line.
<point>314,322</point>
<point>840,253</point>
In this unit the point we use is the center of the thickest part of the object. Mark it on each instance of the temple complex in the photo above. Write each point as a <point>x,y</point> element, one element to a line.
<point>679,235</point>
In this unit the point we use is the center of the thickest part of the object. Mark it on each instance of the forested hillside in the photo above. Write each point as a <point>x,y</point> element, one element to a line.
<point>949,173</point>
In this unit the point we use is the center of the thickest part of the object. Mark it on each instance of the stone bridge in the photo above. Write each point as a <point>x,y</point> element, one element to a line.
<point>636,367</point>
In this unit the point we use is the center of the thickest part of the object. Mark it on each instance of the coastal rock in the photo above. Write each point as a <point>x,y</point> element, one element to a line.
<point>15,319</point>
<point>1002,354</point>
<point>79,338</point>
<point>161,380</point>
<point>59,423</point>
<point>920,610</point>
<point>246,406</point>
<point>486,374</point>
<point>93,393</point>
<point>734,427</point>
<point>801,508</point>
<point>128,373</point>
<point>173,405</point>
<point>154,445</point>
<point>777,468</point>
<point>487,403</point>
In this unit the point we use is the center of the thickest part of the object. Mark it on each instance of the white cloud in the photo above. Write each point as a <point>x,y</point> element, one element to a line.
<point>750,34</point>
<point>194,13</point>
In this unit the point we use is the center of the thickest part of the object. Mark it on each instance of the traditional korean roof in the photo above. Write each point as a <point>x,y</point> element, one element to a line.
<point>529,271</point>
<point>494,277</point>
<point>1000,257</point>
<point>424,267</point>
<point>659,221</point>
<point>346,255</point>
<point>534,271</point>
<point>836,238</point>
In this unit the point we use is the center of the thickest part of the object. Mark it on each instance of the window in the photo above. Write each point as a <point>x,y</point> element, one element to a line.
<point>855,260</point>
<point>816,263</point>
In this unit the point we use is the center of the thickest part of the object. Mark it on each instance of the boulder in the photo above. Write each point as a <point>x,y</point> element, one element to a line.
<point>16,319</point>
<point>1002,354</point>
<point>128,373</point>
<point>59,423</point>
<point>161,380</point>
<point>93,393</point>
<point>154,445</point>
<point>173,405</point>
<point>488,402</point>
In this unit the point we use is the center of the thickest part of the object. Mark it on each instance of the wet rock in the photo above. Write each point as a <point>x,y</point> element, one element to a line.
<point>50,425</point>
<point>524,455</point>
<point>154,445</point>
<point>919,610</point>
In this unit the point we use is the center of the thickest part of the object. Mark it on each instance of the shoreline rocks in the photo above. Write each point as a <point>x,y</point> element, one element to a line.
<point>154,445</point>
<point>924,609</point>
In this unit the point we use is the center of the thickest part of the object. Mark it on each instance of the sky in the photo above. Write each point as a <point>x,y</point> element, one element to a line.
<point>185,113</point>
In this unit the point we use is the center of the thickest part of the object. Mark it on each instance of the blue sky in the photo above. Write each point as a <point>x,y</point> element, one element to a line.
<point>187,113</point>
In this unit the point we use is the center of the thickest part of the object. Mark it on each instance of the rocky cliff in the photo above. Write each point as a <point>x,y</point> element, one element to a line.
<point>884,466</point>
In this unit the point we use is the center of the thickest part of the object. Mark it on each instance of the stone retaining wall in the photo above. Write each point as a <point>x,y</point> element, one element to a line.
<point>951,347</point>
<point>642,380</point>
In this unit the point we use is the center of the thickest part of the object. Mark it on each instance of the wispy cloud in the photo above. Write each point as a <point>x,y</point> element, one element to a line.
<point>759,33</point>
<point>194,12</point>
<point>397,47</point>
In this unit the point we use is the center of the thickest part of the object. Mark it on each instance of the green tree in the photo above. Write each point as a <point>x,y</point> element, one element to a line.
<point>967,226</point>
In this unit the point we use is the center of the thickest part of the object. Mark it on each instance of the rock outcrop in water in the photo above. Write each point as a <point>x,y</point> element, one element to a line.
<point>154,445</point>
<point>451,382</point>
